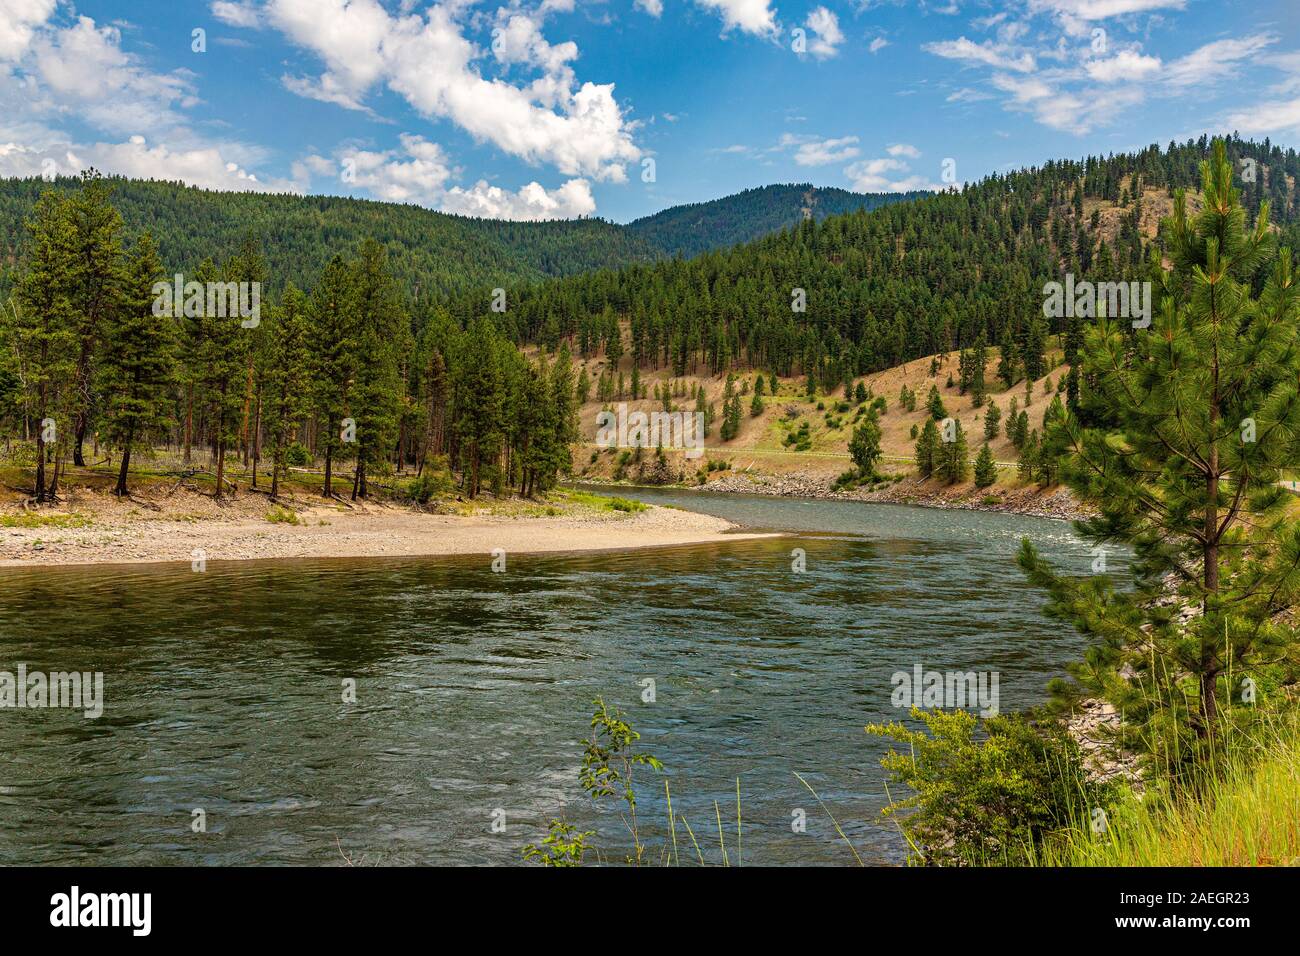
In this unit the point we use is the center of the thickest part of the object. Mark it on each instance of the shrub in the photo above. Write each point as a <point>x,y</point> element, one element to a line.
<point>990,800</point>
<point>297,456</point>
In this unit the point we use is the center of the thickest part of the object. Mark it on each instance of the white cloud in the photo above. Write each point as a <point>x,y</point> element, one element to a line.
<point>236,13</point>
<point>1102,9</point>
<point>1215,61</point>
<point>825,151</point>
<point>532,202</point>
<point>420,172</point>
<point>1281,116</point>
<point>887,174</point>
<point>904,149</point>
<point>1127,65</point>
<point>653,7</point>
<point>428,61</point>
<point>18,22</point>
<point>204,166</point>
<point>827,35</point>
<point>748,16</point>
<point>882,176</point>
<point>878,44</point>
<point>988,54</point>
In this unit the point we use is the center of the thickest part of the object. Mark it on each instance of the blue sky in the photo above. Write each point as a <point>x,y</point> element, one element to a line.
<point>619,108</point>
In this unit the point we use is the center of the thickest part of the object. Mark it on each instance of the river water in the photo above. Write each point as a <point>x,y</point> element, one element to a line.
<point>224,690</point>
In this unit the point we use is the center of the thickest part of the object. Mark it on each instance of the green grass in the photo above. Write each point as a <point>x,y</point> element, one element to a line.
<point>603,502</point>
<point>282,516</point>
<point>35,519</point>
<point>1248,816</point>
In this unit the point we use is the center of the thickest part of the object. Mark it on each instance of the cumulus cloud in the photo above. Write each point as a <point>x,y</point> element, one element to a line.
<point>579,129</point>
<point>885,175</point>
<point>903,149</point>
<point>1123,66</point>
<point>420,172</point>
<point>236,13</point>
<point>878,44</point>
<point>827,35</point>
<point>18,22</point>
<point>748,16</point>
<point>202,166</point>
<point>825,151</point>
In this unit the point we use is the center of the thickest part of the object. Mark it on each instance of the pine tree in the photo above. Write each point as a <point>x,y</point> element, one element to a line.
<point>864,446</point>
<point>286,388</point>
<point>44,332</point>
<point>986,470</point>
<point>1189,425</point>
<point>756,404</point>
<point>381,330</point>
<point>979,358</point>
<point>992,418</point>
<point>222,364</point>
<point>927,449</point>
<point>934,404</point>
<point>954,455</point>
<point>94,291</point>
<point>333,348</point>
<point>136,361</point>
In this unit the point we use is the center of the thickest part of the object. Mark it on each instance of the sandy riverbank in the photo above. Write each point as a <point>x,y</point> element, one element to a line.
<point>121,534</point>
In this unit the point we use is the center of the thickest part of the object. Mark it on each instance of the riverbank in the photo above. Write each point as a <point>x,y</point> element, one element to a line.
<point>96,528</point>
<point>1031,501</point>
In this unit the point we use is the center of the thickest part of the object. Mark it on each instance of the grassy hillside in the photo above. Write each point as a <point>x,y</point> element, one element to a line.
<point>698,227</point>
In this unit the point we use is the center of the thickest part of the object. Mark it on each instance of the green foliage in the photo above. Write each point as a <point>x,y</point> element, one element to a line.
<point>927,449</point>
<point>986,470</point>
<point>608,764</point>
<point>564,845</point>
<point>1179,441</point>
<point>986,799</point>
<point>864,446</point>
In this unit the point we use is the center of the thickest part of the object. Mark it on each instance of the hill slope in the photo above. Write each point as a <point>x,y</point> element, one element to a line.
<point>432,253</point>
<point>698,227</point>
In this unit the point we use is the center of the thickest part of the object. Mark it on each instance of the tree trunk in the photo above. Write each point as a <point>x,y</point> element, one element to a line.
<point>329,470</point>
<point>120,490</point>
<point>221,465</point>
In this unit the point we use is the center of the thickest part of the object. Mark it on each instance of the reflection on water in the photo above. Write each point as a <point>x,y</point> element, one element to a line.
<point>224,689</point>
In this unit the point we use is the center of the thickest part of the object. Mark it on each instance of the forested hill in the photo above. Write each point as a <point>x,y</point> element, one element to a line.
<point>900,282</point>
<point>698,227</point>
<point>431,254</point>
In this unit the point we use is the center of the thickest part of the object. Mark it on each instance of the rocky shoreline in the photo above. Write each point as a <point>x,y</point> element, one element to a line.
<point>1055,503</point>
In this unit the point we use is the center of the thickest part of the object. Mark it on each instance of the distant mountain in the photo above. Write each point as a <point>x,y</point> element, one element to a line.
<point>698,227</point>
<point>432,253</point>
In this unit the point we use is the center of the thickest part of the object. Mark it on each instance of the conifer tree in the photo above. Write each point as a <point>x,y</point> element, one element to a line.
<point>954,464</point>
<point>927,449</point>
<point>864,446</point>
<point>986,470</point>
<point>1190,423</point>
<point>992,418</point>
<point>934,404</point>
<point>286,392</point>
<point>44,332</point>
<point>136,361</point>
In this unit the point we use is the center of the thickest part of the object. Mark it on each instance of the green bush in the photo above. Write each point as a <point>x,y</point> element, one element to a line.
<point>987,798</point>
<point>297,456</point>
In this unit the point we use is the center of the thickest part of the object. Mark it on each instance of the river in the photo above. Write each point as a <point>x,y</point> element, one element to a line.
<point>224,690</point>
